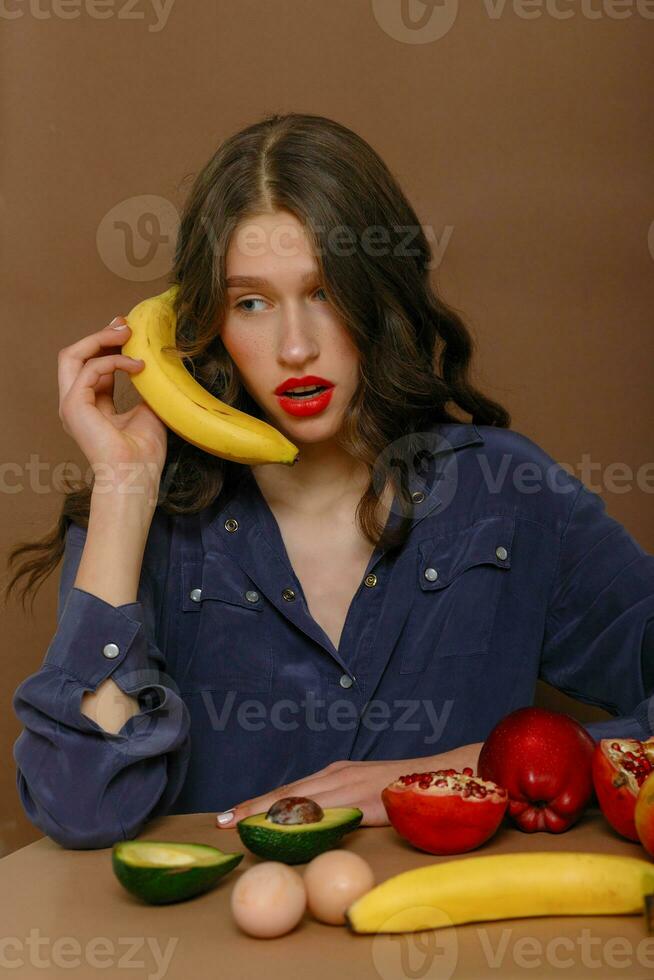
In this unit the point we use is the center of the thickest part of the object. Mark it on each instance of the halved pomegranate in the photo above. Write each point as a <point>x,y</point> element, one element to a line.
<point>620,767</point>
<point>444,811</point>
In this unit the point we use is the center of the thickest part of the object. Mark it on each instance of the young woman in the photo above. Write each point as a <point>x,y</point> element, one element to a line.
<point>230,634</point>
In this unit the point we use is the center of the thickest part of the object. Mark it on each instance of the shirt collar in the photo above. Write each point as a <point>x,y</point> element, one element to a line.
<point>247,505</point>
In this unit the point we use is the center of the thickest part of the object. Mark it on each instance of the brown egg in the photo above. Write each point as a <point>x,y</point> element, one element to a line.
<point>268,900</point>
<point>333,880</point>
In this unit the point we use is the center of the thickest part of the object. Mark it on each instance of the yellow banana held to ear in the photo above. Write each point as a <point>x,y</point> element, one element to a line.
<point>504,886</point>
<point>183,404</point>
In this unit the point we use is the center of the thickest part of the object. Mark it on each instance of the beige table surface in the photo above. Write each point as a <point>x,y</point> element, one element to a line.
<point>64,914</point>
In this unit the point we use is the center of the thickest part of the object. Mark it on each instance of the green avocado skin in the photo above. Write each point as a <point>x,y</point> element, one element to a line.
<point>290,848</point>
<point>160,886</point>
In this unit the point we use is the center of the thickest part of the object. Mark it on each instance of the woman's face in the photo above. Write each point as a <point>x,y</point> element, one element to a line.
<point>282,326</point>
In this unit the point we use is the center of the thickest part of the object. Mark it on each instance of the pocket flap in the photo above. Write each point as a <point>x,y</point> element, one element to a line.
<point>218,577</point>
<point>443,558</point>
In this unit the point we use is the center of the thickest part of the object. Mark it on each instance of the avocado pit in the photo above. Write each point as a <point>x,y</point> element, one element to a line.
<point>295,810</point>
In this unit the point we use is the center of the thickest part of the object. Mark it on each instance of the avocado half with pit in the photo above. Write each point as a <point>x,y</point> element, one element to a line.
<point>161,871</point>
<point>297,842</point>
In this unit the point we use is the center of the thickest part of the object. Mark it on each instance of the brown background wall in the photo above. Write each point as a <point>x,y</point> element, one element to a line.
<point>522,137</point>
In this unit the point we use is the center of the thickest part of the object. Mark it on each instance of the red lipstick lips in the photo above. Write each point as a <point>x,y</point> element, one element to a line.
<point>305,404</point>
<point>310,379</point>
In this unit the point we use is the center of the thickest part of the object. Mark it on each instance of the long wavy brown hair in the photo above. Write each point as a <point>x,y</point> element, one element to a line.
<point>415,350</point>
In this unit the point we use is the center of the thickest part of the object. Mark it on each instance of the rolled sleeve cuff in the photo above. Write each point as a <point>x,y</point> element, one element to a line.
<point>634,726</point>
<point>93,638</point>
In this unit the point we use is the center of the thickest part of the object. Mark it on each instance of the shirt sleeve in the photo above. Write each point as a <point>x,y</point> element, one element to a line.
<point>599,633</point>
<point>81,785</point>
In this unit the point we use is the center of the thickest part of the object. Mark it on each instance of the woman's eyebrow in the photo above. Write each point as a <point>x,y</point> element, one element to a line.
<point>255,281</point>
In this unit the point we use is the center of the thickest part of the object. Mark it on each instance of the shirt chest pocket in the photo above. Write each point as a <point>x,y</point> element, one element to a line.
<point>225,641</point>
<point>460,576</point>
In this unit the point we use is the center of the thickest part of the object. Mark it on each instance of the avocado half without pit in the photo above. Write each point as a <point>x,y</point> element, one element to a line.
<point>160,871</point>
<point>295,829</point>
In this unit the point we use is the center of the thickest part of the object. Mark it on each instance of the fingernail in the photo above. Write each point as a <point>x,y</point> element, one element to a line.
<point>115,325</point>
<point>225,817</point>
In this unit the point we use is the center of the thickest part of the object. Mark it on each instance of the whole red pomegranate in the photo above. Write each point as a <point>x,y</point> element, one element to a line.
<point>543,759</point>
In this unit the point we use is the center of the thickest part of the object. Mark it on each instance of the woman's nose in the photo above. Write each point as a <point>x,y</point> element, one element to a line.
<point>297,343</point>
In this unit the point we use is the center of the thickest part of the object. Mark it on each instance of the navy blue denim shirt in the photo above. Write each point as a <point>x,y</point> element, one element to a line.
<point>512,571</point>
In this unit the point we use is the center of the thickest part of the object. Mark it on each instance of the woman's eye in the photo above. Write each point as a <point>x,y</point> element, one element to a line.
<point>240,306</point>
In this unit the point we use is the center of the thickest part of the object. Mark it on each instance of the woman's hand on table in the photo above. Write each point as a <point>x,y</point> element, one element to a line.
<point>342,783</point>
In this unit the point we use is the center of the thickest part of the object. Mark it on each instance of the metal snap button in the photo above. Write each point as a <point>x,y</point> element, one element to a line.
<point>370,581</point>
<point>110,651</point>
<point>501,553</point>
<point>346,680</point>
<point>288,594</point>
<point>195,595</point>
<point>417,496</point>
<point>231,524</point>
<point>431,574</point>
<point>252,596</point>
